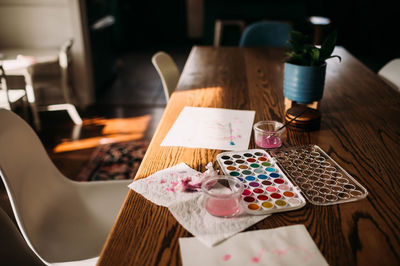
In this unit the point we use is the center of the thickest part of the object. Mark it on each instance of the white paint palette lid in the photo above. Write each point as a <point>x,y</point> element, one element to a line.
<point>321,180</point>
<point>266,187</point>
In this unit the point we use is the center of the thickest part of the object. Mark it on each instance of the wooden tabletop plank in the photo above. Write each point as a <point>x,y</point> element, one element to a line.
<point>359,129</point>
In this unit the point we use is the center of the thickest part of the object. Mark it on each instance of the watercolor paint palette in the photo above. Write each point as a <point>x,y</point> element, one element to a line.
<point>266,187</point>
<point>321,180</point>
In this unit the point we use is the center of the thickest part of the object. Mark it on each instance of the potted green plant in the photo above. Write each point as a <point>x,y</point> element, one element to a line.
<point>305,67</point>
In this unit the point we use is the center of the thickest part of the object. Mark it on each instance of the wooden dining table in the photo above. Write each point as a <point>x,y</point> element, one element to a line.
<point>360,130</point>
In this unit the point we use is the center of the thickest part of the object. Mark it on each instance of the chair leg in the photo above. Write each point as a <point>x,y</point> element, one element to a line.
<point>217,32</point>
<point>25,108</point>
<point>30,93</point>
<point>76,132</point>
<point>32,103</point>
<point>65,88</point>
<point>73,113</point>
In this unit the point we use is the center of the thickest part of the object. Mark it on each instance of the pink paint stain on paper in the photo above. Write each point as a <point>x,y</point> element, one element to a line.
<point>309,254</point>
<point>226,257</point>
<point>232,138</point>
<point>237,120</point>
<point>284,251</point>
<point>257,258</point>
<point>281,252</point>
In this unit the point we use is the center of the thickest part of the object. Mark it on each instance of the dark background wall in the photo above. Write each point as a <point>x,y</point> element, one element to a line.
<point>368,29</point>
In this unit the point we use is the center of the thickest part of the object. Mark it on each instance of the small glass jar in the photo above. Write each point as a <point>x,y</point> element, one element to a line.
<point>267,135</point>
<point>222,196</point>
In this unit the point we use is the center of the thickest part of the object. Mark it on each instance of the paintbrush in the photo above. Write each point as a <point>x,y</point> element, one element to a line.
<point>287,123</point>
<point>291,120</point>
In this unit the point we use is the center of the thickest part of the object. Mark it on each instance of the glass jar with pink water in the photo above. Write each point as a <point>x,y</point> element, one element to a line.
<point>268,134</point>
<point>222,196</point>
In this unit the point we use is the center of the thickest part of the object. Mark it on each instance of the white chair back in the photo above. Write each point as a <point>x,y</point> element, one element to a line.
<point>13,247</point>
<point>61,220</point>
<point>391,73</point>
<point>32,182</point>
<point>168,72</point>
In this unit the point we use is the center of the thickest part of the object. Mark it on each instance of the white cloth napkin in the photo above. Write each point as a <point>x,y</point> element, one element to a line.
<point>162,188</point>
<point>289,245</point>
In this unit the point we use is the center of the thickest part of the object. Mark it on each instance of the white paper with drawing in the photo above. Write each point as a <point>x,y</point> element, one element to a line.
<point>289,245</point>
<point>211,128</point>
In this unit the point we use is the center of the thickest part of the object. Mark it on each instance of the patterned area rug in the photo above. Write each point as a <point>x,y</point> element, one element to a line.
<point>114,161</point>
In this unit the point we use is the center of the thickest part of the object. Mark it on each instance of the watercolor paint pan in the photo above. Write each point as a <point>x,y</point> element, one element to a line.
<point>321,180</point>
<point>266,187</point>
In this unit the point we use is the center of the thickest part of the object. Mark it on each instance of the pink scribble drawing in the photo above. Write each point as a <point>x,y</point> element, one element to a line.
<point>225,131</point>
<point>237,120</point>
<point>226,257</point>
<point>233,137</point>
<point>281,252</point>
<point>309,254</point>
<point>163,181</point>
<point>257,258</point>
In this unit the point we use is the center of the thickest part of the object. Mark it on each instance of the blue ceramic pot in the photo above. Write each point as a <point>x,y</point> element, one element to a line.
<point>304,84</point>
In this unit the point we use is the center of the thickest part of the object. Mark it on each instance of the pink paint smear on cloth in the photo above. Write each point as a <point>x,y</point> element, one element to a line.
<point>192,183</point>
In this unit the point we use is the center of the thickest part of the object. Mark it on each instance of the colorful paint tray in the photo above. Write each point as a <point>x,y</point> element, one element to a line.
<point>266,187</point>
<point>321,180</point>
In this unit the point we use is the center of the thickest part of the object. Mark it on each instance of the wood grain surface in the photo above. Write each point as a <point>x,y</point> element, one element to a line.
<point>360,130</point>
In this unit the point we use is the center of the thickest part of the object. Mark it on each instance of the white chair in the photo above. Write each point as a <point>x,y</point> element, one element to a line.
<point>391,73</point>
<point>9,97</point>
<point>46,79</point>
<point>168,72</point>
<point>47,76</point>
<point>13,248</point>
<point>62,221</point>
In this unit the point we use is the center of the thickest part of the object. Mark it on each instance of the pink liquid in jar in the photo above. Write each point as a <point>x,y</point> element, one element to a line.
<point>268,142</point>
<point>224,207</point>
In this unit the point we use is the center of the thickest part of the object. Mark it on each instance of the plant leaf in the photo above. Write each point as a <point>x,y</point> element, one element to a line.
<point>328,45</point>
<point>303,52</point>
<point>297,40</point>
<point>314,54</point>
<point>332,56</point>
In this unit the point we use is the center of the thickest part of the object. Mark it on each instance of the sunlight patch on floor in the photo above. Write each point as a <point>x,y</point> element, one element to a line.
<point>115,130</point>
